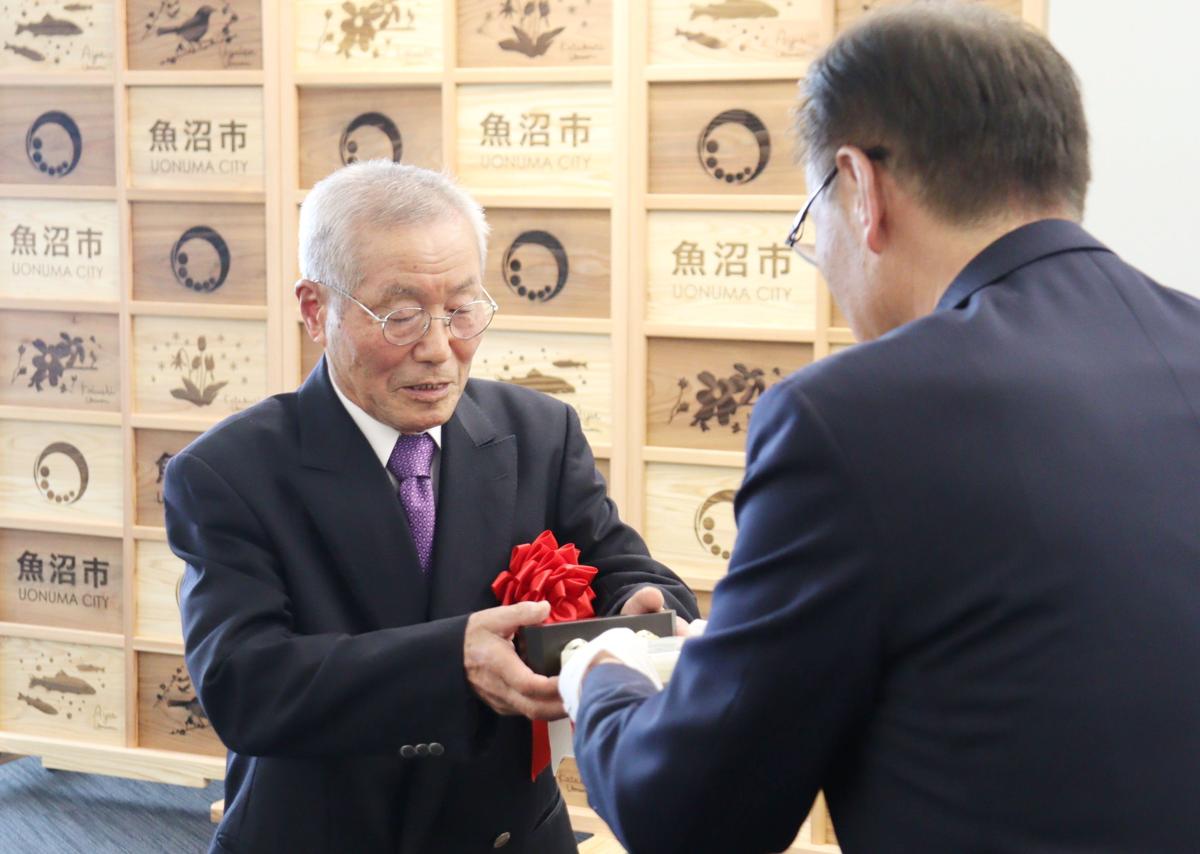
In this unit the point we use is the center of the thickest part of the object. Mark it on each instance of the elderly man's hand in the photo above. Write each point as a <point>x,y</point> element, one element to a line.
<point>649,600</point>
<point>496,672</point>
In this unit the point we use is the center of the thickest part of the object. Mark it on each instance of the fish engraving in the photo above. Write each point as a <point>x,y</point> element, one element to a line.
<point>63,683</point>
<point>538,381</point>
<point>49,26</point>
<point>736,9</point>
<point>28,53</point>
<point>41,706</point>
<point>702,39</point>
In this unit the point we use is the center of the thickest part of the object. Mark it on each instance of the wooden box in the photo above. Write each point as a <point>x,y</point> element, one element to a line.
<point>198,366</point>
<point>48,36</point>
<point>604,466</point>
<point>60,249</point>
<point>60,359</point>
<point>727,269</point>
<point>836,318</point>
<point>204,138</point>
<point>165,35</point>
<point>153,450</point>
<point>724,138</point>
<point>700,394</point>
<point>61,580</point>
<point>576,369</point>
<point>159,574</point>
<point>342,126</point>
<point>61,472</point>
<point>199,253</point>
<point>518,33</point>
<point>169,713</point>
<point>543,139</point>
<point>549,263</point>
<point>689,519</point>
<point>685,32</point>
<point>57,136</point>
<point>849,11</point>
<point>62,690</point>
<point>333,35</point>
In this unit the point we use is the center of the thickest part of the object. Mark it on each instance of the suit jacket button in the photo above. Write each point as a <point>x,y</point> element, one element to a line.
<point>502,840</point>
<point>407,752</point>
<point>436,749</point>
<point>422,750</point>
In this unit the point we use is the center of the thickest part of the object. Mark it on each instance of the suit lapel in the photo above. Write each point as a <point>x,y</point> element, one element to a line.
<point>476,490</point>
<point>356,510</point>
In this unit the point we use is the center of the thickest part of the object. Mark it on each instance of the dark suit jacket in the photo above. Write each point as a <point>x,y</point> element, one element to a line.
<point>319,649</point>
<point>965,593</point>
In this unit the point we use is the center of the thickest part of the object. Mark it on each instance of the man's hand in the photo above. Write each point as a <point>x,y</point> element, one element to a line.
<point>496,672</point>
<point>649,600</point>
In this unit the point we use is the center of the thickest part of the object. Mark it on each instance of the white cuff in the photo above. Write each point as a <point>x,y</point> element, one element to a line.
<point>621,643</point>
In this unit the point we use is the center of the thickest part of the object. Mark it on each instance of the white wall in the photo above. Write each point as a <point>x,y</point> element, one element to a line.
<point>1139,63</point>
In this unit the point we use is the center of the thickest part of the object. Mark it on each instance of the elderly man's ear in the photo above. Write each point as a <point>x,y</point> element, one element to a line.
<point>312,310</point>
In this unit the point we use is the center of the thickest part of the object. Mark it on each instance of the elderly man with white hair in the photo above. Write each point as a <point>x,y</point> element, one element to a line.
<point>341,542</point>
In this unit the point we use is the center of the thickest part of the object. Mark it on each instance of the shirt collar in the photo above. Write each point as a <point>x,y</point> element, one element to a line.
<point>382,437</point>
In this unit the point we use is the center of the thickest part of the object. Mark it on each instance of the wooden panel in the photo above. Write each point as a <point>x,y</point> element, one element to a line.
<point>60,580</point>
<point>63,472</point>
<point>570,782</point>
<point>849,11</point>
<point>57,35</point>
<point>727,269</point>
<point>837,348</point>
<point>341,126</point>
<point>169,713</point>
<point>166,34</point>
<point>605,469</point>
<point>822,822</point>
<point>159,574</point>
<point>555,263</point>
<point>727,138</point>
<point>689,519</point>
<point>198,367</point>
<point>836,317</point>
<point>689,33</point>
<point>154,449</point>
<point>199,253</point>
<point>516,32</point>
<point>544,139</point>
<point>334,35</point>
<point>61,360</point>
<point>310,352</point>
<point>200,137</point>
<point>704,601</point>
<point>60,249</point>
<point>577,369</point>
<point>56,136</point>
<point>700,394</point>
<point>62,690</point>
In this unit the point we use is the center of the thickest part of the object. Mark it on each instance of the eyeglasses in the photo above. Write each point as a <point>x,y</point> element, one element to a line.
<point>406,325</point>
<point>795,241</point>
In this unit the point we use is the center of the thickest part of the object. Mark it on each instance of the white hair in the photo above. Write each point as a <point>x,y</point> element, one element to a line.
<point>374,194</point>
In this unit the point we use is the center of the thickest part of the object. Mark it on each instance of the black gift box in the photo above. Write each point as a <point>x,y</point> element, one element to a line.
<point>541,646</point>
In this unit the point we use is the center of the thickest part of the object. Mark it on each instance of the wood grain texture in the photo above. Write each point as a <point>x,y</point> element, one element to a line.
<point>228,38</point>
<point>340,126</point>
<point>61,580</point>
<point>169,713</point>
<point>549,263</point>
<point>60,360</point>
<point>51,36</point>
<point>686,32</point>
<point>576,369</point>
<point>849,11</point>
<point>59,249</point>
<point>554,33</point>
<point>221,250</point>
<point>74,136</point>
<point>61,472</point>
<point>62,690</point>
<point>152,450</point>
<point>203,138</point>
<point>158,575</point>
<point>727,269</point>
<point>701,394</point>
<point>689,522</point>
<point>364,37</point>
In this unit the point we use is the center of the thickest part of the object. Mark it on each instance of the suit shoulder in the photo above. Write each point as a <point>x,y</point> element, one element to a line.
<point>494,396</point>
<point>254,433</point>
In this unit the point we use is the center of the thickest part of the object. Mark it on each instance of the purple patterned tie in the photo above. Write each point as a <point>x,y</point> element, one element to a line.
<point>410,462</point>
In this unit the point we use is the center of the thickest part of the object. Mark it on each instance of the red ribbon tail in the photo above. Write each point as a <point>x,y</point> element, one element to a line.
<point>540,760</point>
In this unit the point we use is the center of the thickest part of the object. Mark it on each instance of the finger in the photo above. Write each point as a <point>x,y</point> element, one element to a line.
<point>551,710</point>
<point>506,619</point>
<point>682,629</point>
<point>647,600</point>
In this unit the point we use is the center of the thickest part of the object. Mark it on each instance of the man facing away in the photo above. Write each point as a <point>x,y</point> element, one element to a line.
<point>965,592</point>
<point>341,542</point>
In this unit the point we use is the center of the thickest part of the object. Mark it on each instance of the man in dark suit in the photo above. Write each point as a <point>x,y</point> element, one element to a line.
<point>341,541</point>
<point>964,598</point>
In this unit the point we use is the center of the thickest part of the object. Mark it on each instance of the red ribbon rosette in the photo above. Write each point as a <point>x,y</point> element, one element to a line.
<point>544,571</point>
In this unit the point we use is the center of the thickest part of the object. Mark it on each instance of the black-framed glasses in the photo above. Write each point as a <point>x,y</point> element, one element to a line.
<point>795,241</point>
<point>408,325</point>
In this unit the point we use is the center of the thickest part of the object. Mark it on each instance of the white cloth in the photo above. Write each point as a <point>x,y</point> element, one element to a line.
<point>382,437</point>
<point>621,643</point>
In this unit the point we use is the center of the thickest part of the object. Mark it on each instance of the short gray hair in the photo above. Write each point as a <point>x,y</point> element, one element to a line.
<point>374,194</point>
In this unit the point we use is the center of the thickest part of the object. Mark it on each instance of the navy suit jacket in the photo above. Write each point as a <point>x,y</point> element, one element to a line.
<point>965,593</point>
<point>331,666</point>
